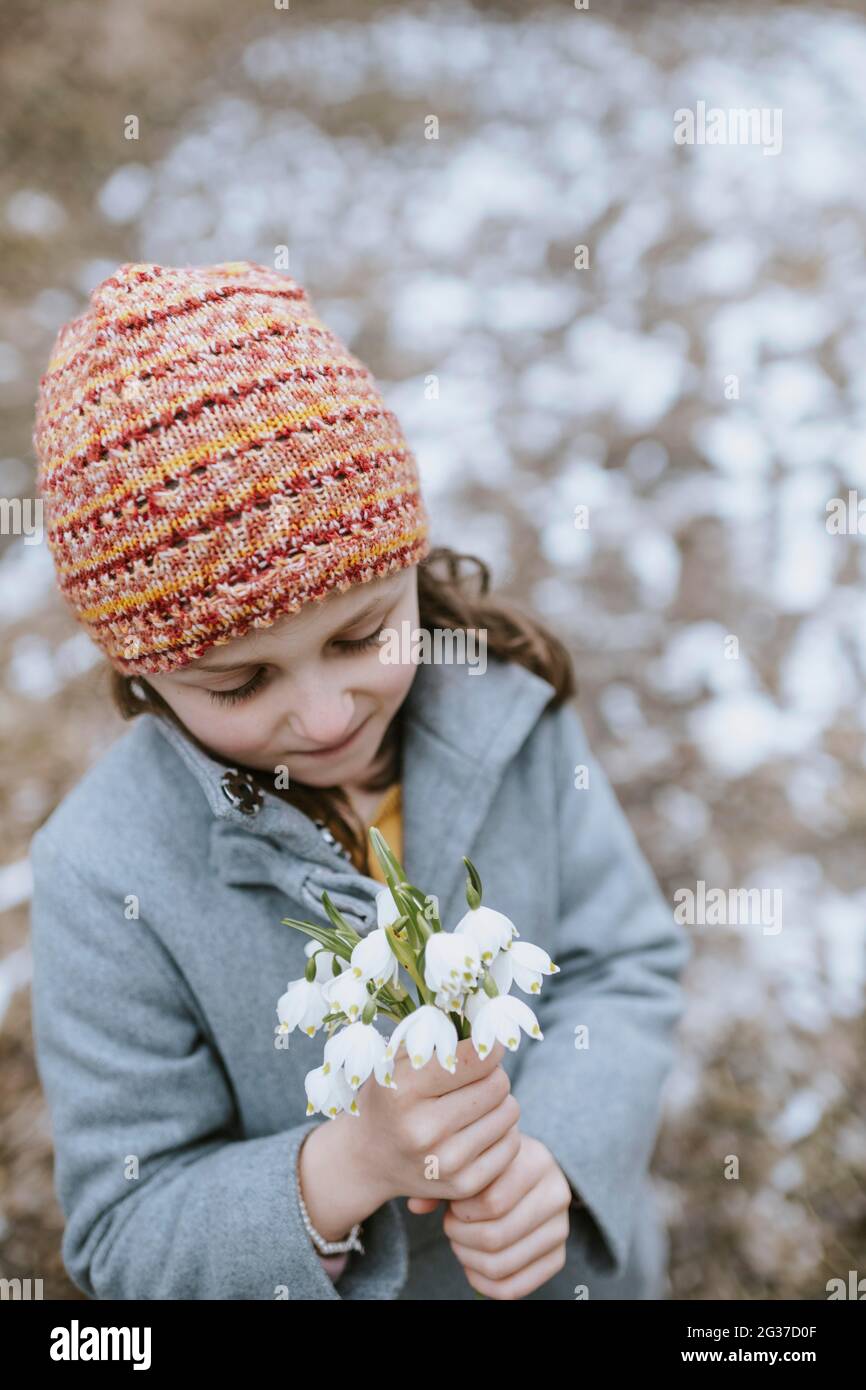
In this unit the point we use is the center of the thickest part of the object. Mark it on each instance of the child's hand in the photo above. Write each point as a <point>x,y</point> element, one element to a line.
<point>510,1237</point>
<point>466,1120</point>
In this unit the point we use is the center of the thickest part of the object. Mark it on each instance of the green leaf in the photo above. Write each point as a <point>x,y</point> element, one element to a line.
<point>324,935</point>
<point>388,861</point>
<point>339,920</point>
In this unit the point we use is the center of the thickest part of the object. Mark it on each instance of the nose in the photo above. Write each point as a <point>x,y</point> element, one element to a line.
<point>322,718</point>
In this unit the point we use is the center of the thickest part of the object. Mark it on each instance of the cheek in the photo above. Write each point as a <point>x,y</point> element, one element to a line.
<point>238,732</point>
<point>393,681</point>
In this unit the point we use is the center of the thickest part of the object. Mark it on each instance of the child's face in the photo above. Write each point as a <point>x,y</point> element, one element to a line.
<point>307,687</point>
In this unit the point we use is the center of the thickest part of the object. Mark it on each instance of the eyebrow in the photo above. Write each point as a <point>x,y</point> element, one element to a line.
<point>365,612</point>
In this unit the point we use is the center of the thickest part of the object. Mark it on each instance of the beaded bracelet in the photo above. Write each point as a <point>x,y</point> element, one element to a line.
<point>330,1247</point>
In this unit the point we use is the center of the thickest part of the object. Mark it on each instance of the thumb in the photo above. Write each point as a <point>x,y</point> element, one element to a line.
<point>421,1205</point>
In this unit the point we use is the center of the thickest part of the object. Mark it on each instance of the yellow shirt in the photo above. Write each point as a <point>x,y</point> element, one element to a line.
<point>389,820</point>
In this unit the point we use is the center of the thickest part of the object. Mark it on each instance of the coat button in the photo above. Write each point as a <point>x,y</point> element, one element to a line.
<point>240,789</point>
<point>330,838</point>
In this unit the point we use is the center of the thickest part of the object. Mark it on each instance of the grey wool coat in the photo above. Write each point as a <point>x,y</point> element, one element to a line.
<point>177,1122</point>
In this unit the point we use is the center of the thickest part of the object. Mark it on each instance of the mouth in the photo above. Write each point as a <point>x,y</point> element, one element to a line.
<point>336,747</point>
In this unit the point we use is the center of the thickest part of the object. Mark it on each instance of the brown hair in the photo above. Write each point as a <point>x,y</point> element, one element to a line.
<point>444,602</point>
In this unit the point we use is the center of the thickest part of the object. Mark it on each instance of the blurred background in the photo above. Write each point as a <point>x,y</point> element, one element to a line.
<point>699,386</point>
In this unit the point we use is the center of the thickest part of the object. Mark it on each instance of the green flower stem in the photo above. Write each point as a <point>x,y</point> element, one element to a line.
<point>406,956</point>
<point>402,891</point>
<point>416,934</point>
<point>464,1027</point>
<point>325,936</point>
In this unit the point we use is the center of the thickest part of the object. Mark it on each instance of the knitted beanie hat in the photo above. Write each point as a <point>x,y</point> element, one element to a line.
<point>210,456</point>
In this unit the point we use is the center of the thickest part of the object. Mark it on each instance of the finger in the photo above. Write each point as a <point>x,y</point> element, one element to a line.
<point>458,1150</point>
<point>500,1264</point>
<point>452,1113</point>
<point>523,1215</point>
<point>504,1193</point>
<point>421,1205</point>
<point>434,1080</point>
<point>526,1281</point>
<point>491,1163</point>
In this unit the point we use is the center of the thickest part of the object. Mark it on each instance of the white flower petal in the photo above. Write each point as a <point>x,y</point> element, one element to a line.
<point>423,1031</point>
<point>373,959</point>
<point>491,931</point>
<point>328,1092</point>
<point>502,971</point>
<point>533,958</point>
<point>483,1029</point>
<point>387,910</point>
<point>356,1048</point>
<point>348,993</point>
<point>501,1018</point>
<point>303,1006</point>
<point>451,962</point>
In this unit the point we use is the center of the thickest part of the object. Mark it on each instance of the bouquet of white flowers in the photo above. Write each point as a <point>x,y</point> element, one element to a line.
<point>463,978</point>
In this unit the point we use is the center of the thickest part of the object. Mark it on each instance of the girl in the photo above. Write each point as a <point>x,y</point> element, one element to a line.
<point>236,519</point>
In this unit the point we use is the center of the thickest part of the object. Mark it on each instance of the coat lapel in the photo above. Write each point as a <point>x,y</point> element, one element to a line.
<point>460,732</point>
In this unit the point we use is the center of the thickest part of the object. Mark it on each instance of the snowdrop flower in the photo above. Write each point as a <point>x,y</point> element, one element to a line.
<point>451,962</point>
<point>324,961</point>
<point>502,1018</point>
<point>356,1048</point>
<point>387,911</point>
<point>383,1071</point>
<point>524,964</point>
<point>501,972</point>
<point>491,931</point>
<point>303,1006</point>
<point>467,973</point>
<point>373,959</point>
<point>422,1031</point>
<point>451,1003</point>
<point>328,1092</point>
<point>529,963</point>
<point>347,992</point>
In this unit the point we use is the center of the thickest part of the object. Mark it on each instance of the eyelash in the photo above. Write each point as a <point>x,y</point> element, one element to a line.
<point>243,692</point>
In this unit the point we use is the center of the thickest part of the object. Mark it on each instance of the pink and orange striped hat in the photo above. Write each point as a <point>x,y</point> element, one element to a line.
<point>210,456</point>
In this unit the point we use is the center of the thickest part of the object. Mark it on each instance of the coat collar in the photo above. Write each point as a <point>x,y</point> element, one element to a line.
<point>460,731</point>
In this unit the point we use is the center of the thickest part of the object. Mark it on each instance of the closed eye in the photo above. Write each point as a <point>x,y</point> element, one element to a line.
<point>361,644</point>
<point>243,692</point>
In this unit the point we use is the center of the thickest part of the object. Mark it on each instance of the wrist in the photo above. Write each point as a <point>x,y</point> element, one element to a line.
<point>333,1181</point>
